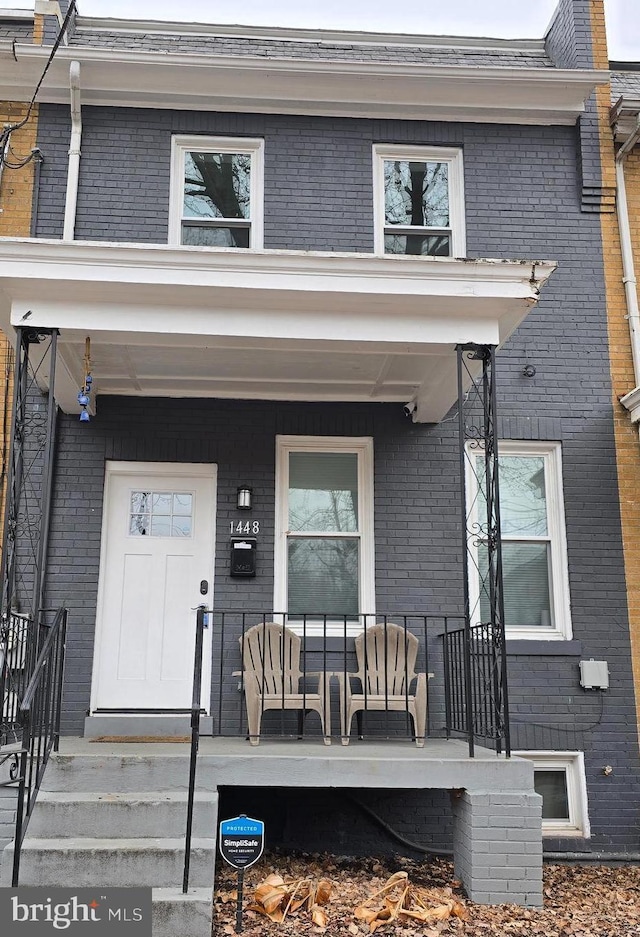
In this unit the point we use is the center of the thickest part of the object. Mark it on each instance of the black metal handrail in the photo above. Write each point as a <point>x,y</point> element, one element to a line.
<point>39,719</point>
<point>17,655</point>
<point>195,738</point>
<point>474,697</point>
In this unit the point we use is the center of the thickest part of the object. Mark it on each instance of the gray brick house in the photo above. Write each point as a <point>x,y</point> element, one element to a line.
<point>265,246</point>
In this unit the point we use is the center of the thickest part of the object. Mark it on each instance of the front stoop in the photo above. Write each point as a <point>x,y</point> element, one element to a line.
<point>120,822</point>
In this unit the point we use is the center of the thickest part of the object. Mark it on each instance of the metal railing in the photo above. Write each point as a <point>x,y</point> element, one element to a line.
<point>18,652</point>
<point>39,720</point>
<point>196,709</point>
<point>474,679</point>
<point>312,674</point>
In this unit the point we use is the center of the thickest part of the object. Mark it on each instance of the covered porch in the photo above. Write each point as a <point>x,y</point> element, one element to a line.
<point>122,322</point>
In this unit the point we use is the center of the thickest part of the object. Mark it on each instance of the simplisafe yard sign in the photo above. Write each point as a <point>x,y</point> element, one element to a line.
<point>241,845</point>
<point>241,841</point>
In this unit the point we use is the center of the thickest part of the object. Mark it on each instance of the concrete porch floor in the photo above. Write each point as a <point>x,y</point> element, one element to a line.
<point>441,763</point>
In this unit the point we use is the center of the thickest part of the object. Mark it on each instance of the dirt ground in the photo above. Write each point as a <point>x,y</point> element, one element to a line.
<point>578,901</point>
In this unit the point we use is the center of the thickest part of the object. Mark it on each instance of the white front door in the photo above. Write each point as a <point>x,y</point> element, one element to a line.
<point>157,549</point>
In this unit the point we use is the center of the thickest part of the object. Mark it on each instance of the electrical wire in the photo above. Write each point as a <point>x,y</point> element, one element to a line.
<point>5,135</point>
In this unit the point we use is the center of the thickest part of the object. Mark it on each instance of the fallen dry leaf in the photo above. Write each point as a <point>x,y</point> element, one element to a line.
<point>592,901</point>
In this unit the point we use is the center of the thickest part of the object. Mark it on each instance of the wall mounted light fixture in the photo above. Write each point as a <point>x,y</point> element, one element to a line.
<point>244,498</point>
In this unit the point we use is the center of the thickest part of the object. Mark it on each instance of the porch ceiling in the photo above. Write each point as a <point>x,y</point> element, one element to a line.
<point>280,325</point>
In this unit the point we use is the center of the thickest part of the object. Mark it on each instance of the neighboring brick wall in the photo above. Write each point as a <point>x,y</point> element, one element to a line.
<point>623,381</point>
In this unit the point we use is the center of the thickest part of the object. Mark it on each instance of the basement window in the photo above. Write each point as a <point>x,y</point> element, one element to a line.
<point>559,778</point>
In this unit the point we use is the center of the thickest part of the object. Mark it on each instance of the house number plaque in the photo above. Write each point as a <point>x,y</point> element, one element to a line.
<point>244,527</point>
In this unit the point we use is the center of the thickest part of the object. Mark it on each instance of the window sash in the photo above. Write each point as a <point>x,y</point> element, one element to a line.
<point>558,626</point>
<point>455,230</point>
<point>362,537</point>
<point>571,764</point>
<point>178,220</point>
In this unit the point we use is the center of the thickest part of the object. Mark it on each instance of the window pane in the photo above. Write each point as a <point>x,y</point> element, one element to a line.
<point>217,185</point>
<point>552,787</point>
<point>323,576</point>
<point>182,504</point>
<point>213,236</point>
<point>160,526</point>
<point>525,576</point>
<point>416,193</point>
<point>523,503</point>
<point>433,245</point>
<point>139,525</point>
<point>161,502</point>
<point>323,491</point>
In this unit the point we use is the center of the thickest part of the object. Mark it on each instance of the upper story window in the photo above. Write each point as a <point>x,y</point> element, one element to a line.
<point>419,201</point>
<point>216,192</point>
<point>534,550</point>
<point>324,531</point>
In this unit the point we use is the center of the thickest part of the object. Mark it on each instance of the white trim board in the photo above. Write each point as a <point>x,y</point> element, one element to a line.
<point>137,78</point>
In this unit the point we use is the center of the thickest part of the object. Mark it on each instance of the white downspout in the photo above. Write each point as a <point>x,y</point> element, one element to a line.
<point>74,154</point>
<point>628,267</point>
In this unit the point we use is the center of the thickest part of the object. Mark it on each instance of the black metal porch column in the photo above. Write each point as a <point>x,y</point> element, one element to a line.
<point>30,472</point>
<point>485,670</point>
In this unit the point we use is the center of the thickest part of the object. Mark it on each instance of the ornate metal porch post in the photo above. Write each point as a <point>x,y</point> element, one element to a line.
<point>30,472</point>
<point>485,671</point>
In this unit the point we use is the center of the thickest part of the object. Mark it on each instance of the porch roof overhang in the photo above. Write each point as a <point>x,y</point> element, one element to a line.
<point>206,82</point>
<point>280,325</point>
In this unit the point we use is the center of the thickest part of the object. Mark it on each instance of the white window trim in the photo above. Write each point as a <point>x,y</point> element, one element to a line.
<point>450,155</point>
<point>253,147</point>
<point>560,629</point>
<point>363,447</point>
<point>572,763</point>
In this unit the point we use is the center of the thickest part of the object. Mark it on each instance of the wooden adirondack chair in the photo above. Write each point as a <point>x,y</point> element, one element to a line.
<point>271,678</point>
<point>386,656</point>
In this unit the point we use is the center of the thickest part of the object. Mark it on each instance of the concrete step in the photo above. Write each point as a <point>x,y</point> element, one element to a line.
<point>123,862</point>
<point>106,815</point>
<point>105,773</point>
<point>178,915</point>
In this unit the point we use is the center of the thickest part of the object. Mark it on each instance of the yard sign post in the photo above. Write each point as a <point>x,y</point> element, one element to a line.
<point>241,845</point>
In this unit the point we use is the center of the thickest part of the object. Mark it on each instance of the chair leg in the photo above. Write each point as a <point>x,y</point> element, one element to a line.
<point>420,710</point>
<point>254,717</point>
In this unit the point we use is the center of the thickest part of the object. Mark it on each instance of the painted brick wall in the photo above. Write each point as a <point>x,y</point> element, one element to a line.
<point>522,200</point>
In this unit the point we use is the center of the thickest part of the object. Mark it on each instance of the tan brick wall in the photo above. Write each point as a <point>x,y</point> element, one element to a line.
<point>16,193</point>
<point>621,362</point>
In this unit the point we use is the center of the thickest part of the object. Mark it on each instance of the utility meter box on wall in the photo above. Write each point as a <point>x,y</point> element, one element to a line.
<point>594,674</point>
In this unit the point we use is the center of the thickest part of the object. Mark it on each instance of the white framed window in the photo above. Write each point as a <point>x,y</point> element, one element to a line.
<point>418,201</point>
<point>534,545</point>
<point>324,552</point>
<point>216,192</point>
<point>559,778</point>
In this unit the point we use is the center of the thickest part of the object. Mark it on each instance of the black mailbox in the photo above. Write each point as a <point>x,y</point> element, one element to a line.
<point>243,556</point>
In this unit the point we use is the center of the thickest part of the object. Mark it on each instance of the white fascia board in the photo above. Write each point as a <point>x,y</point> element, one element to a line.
<point>31,259</point>
<point>317,87</point>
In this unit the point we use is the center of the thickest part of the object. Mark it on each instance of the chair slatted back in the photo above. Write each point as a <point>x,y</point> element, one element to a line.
<point>386,655</point>
<point>271,655</point>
